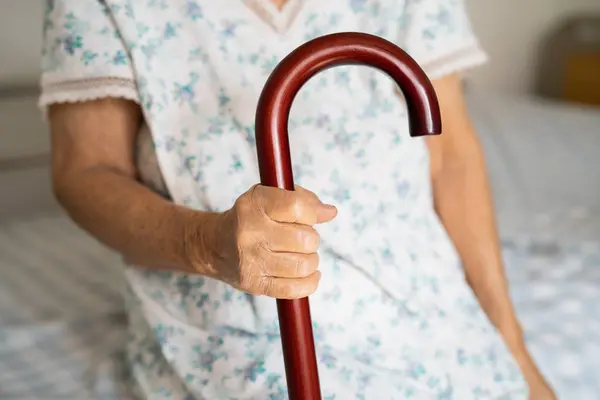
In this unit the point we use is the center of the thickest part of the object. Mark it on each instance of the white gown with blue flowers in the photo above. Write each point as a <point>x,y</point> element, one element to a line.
<point>393,317</point>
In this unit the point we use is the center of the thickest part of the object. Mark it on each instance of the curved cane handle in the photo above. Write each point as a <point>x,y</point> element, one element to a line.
<point>275,162</point>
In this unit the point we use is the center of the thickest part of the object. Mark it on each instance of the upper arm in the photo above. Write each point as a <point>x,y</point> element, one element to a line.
<point>458,140</point>
<point>439,36</point>
<point>93,134</point>
<point>88,89</point>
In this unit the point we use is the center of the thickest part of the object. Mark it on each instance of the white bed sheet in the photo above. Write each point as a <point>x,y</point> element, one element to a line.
<point>556,292</point>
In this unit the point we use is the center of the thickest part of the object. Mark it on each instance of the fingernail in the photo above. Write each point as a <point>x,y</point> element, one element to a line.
<point>326,212</point>
<point>329,209</point>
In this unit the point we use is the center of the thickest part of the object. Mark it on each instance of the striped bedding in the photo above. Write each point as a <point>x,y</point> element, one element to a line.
<point>62,320</point>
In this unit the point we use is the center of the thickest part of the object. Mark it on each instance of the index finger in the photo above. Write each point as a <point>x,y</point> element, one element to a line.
<point>297,207</point>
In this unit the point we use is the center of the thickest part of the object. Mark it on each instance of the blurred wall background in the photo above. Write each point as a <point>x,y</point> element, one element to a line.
<point>514,33</point>
<point>20,41</point>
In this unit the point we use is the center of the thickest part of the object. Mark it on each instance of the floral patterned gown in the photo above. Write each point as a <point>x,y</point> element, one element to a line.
<point>393,317</point>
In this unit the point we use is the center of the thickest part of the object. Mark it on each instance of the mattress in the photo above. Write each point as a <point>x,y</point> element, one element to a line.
<point>543,162</point>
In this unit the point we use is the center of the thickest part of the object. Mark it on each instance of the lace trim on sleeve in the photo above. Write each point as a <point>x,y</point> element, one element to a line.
<point>457,61</point>
<point>87,89</point>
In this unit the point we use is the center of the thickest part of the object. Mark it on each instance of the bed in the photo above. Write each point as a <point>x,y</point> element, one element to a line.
<point>543,163</point>
<point>62,321</point>
<point>62,324</point>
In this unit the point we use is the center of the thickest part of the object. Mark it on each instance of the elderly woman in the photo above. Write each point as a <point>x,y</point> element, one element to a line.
<point>151,105</point>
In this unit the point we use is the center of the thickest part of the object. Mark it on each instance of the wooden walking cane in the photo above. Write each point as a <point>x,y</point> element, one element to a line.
<point>276,167</point>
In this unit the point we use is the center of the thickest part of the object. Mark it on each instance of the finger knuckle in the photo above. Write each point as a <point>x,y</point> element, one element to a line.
<point>306,265</point>
<point>300,266</point>
<point>311,196</point>
<point>269,287</point>
<point>293,208</point>
<point>312,240</point>
<point>246,239</point>
<point>252,200</point>
<point>245,205</point>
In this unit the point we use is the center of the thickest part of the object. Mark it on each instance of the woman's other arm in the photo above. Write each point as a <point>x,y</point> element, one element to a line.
<point>463,201</point>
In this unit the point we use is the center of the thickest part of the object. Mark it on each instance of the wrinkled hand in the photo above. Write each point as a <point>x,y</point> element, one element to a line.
<point>539,389</point>
<point>267,244</point>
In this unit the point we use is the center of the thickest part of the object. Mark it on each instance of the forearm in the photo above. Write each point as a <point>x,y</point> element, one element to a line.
<point>129,218</point>
<point>463,202</point>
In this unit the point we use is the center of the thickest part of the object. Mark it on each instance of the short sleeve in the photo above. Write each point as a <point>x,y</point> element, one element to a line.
<point>83,56</point>
<point>439,36</point>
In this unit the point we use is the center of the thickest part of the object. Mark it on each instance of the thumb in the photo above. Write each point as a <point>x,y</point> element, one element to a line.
<point>325,212</point>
